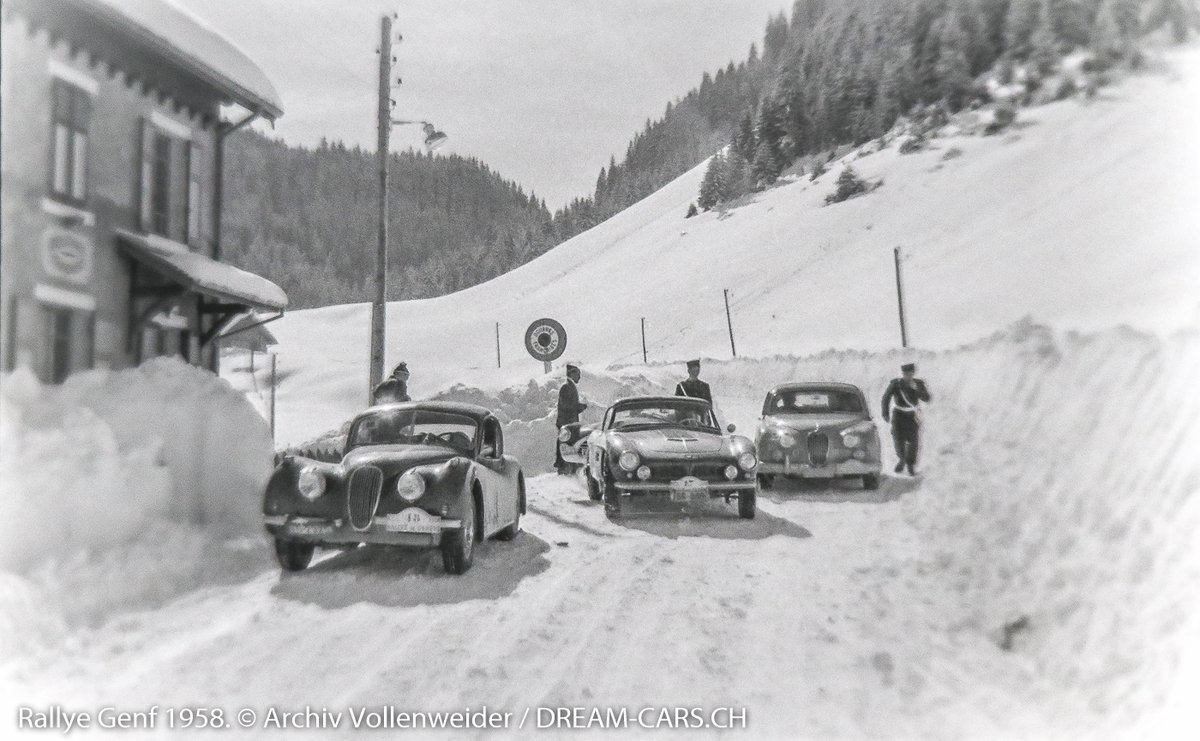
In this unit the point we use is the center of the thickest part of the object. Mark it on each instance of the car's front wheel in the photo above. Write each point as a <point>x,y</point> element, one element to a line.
<point>292,555</point>
<point>458,546</point>
<point>747,504</point>
<point>612,497</point>
<point>593,486</point>
<point>766,480</point>
<point>870,481</point>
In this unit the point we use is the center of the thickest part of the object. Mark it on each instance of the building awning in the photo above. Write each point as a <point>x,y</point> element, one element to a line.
<point>200,274</point>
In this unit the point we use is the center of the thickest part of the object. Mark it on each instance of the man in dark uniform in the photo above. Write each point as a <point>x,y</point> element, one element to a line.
<point>906,393</point>
<point>693,386</point>
<point>569,409</point>
<point>394,388</point>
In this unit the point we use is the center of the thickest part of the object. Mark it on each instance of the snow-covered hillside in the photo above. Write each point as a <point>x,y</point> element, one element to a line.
<point>1083,216</point>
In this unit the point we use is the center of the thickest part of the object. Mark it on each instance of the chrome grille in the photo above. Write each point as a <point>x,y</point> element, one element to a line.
<point>673,471</point>
<point>818,448</point>
<point>362,496</point>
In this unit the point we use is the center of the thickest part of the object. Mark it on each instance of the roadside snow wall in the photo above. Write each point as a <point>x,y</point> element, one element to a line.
<point>93,463</point>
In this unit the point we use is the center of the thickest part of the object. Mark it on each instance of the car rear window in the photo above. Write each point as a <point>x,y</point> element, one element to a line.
<point>812,401</point>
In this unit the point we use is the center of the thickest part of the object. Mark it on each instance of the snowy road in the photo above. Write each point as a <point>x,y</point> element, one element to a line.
<point>779,615</point>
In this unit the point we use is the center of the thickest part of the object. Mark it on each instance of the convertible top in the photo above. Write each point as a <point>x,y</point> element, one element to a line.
<point>474,411</point>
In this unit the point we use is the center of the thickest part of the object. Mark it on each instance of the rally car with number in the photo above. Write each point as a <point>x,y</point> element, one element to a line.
<point>817,431</point>
<point>663,447</point>
<point>415,474</point>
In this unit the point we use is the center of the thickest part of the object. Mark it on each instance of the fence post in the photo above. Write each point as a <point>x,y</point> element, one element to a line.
<point>644,360</point>
<point>729,322</point>
<point>497,344</point>
<point>900,299</point>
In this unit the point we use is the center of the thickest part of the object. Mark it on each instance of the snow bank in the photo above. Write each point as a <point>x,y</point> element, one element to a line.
<point>118,489</point>
<point>89,464</point>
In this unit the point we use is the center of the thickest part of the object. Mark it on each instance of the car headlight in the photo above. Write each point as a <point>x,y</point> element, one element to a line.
<point>564,435</point>
<point>747,462</point>
<point>411,486</point>
<point>643,472</point>
<point>851,441</point>
<point>731,472</point>
<point>628,460</point>
<point>311,483</point>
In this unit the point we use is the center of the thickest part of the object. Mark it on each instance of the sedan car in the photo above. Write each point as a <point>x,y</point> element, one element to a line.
<point>421,475</point>
<point>819,431</point>
<point>668,447</point>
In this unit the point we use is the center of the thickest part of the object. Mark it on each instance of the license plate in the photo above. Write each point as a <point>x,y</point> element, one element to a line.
<point>413,520</point>
<point>688,488</point>
<point>310,528</point>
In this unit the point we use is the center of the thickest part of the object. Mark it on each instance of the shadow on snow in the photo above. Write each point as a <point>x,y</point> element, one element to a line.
<point>400,577</point>
<point>890,489</point>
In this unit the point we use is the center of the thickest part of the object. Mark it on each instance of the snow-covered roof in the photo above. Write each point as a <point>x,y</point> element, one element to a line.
<point>203,274</point>
<point>176,34</point>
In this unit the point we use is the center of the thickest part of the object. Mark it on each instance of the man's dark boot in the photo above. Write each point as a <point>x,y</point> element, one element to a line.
<point>912,470</point>
<point>900,467</point>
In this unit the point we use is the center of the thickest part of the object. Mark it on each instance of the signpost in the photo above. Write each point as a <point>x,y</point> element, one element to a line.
<point>546,340</point>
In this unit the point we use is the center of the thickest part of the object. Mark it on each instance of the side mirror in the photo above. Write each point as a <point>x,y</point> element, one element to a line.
<point>487,451</point>
<point>731,428</point>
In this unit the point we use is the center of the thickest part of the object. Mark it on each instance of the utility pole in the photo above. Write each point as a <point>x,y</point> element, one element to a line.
<point>644,360</point>
<point>729,321</point>
<point>497,344</point>
<point>379,306</point>
<point>900,299</point>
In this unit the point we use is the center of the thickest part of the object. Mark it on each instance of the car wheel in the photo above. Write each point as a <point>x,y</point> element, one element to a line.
<point>747,504</point>
<point>458,546</point>
<point>766,480</point>
<point>870,481</point>
<point>510,532</point>
<point>293,556</point>
<point>612,497</point>
<point>593,487</point>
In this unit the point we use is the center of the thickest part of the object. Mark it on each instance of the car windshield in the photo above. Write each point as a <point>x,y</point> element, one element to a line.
<point>414,427</point>
<point>812,401</point>
<point>664,413</point>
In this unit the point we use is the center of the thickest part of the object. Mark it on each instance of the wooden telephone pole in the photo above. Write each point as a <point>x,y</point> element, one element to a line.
<point>900,299</point>
<point>379,305</point>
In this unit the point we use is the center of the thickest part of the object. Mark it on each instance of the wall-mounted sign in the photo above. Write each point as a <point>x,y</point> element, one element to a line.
<point>67,256</point>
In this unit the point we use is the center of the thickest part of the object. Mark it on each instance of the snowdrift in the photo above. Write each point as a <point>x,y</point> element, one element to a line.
<point>113,483</point>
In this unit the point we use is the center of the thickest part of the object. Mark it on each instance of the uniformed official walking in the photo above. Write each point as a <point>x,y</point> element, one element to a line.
<point>693,386</point>
<point>569,409</point>
<point>901,406</point>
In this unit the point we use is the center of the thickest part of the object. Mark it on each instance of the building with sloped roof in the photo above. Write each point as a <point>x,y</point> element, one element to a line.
<point>113,116</point>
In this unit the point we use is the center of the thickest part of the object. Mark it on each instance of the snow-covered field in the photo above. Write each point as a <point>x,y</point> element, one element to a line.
<point>1039,580</point>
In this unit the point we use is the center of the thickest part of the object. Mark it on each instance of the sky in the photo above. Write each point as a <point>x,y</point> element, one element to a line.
<point>542,91</point>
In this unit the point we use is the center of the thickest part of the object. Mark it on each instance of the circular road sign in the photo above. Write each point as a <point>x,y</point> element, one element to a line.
<point>546,340</point>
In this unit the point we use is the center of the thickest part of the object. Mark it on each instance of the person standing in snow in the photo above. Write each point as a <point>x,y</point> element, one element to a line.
<point>569,409</point>
<point>693,386</point>
<point>394,388</point>
<point>901,403</point>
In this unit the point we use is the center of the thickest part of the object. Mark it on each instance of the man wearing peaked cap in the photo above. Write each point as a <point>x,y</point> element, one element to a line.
<point>395,387</point>
<point>901,406</point>
<point>569,409</point>
<point>693,386</point>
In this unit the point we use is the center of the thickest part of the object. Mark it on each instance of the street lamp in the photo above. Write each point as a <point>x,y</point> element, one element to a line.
<point>433,139</point>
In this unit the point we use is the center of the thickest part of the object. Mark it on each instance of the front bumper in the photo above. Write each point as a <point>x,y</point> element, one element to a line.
<point>384,529</point>
<point>851,467</point>
<point>709,490</point>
